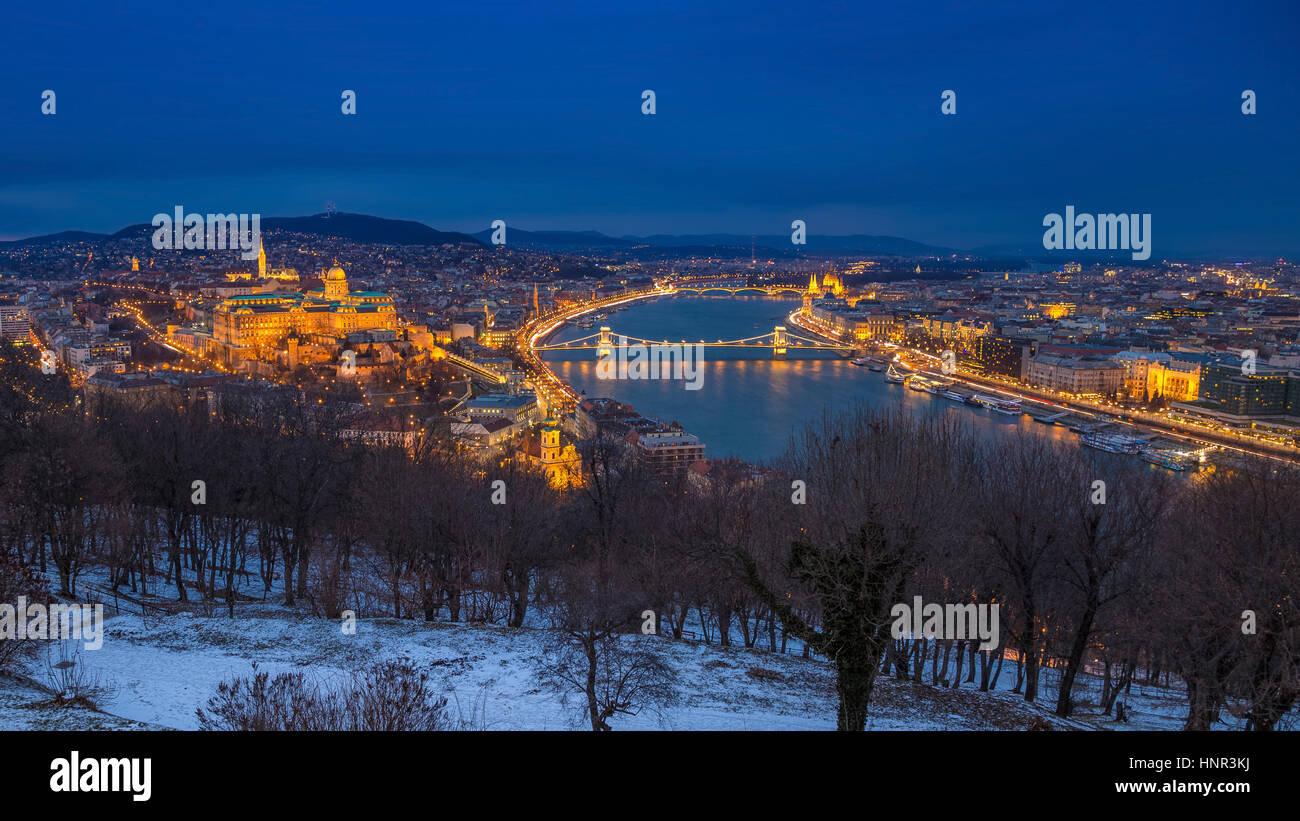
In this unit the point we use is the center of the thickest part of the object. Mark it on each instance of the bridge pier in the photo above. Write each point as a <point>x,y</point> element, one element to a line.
<point>604,347</point>
<point>778,342</point>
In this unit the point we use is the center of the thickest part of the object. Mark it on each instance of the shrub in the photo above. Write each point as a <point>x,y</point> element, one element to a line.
<point>388,696</point>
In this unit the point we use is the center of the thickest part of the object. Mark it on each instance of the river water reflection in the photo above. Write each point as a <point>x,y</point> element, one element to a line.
<point>750,404</point>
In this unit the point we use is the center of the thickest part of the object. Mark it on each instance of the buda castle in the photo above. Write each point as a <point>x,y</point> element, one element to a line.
<point>262,321</point>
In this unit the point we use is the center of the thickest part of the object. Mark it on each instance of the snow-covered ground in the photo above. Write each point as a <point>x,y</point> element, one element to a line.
<point>158,670</point>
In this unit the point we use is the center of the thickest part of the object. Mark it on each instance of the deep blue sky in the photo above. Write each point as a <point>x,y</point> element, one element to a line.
<point>767,111</point>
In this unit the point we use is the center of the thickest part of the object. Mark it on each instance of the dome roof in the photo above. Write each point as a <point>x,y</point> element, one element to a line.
<point>335,273</point>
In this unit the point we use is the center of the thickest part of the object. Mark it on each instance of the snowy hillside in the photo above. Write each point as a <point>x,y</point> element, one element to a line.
<point>158,670</point>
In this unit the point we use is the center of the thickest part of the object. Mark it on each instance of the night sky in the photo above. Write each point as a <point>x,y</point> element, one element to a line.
<point>766,112</point>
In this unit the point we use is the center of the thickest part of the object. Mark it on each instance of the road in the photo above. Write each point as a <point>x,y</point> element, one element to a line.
<point>1134,419</point>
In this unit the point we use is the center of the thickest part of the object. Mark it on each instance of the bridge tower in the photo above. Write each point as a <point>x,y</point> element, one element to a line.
<point>778,342</point>
<point>605,346</point>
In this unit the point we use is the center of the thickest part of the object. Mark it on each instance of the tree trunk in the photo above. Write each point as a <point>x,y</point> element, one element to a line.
<point>961,655</point>
<point>1064,704</point>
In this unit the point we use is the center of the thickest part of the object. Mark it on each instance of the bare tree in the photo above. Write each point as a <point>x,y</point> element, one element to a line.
<point>881,493</point>
<point>1025,488</point>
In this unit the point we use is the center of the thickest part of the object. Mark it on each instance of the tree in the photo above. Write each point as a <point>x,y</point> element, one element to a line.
<point>1105,547</point>
<point>590,657</point>
<point>1024,487</point>
<point>1241,525</point>
<point>881,493</point>
<point>66,473</point>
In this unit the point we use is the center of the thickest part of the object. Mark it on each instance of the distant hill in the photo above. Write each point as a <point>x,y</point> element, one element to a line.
<point>1039,253</point>
<point>362,228</point>
<point>849,243</point>
<point>382,231</point>
<point>773,244</point>
<point>556,240</point>
<point>49,239</point>
<point>355,227</point>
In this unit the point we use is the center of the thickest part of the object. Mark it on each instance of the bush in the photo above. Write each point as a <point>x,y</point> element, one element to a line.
<point>70,681</point>
<point>387,696</point>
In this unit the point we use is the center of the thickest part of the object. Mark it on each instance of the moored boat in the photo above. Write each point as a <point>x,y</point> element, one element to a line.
<point>1112,442</point>
<point>1164,459</point>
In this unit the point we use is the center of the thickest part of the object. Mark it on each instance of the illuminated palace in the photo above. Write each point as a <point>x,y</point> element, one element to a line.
<point>265,320</point>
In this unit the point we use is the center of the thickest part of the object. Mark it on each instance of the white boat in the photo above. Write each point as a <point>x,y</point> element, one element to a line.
<point>861,361</point>
<point>892,375</point>
<point>954,396</point>
<point>1112,442</point>
<point>1165,459</point>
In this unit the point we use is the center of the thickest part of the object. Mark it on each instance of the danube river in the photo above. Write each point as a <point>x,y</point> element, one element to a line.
<point>750,404</point>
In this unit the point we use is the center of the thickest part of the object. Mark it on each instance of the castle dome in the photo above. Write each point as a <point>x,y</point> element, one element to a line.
<point>335,274</point>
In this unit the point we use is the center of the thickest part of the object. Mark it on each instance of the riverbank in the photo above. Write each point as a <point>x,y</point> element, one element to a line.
<point>1135,420</point>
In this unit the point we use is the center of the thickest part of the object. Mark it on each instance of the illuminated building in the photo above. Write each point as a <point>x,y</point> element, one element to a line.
<point>498,337</point>
<point>830,286</point>
<point>860,325</point>
<point>265,320</point>
<point>1080,375</point>
<point>561,463</point>
<point>957,327</point>
<point>517,409</point>
<point>1157,374</point>
<point>1058,310</point>
<point>484,432</point>
<point>813,290</point>
<point>996,356</point>
<point>14,322</point>
<point>263,272</point>
<point>1266,392</point>
<point>668,451</point>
